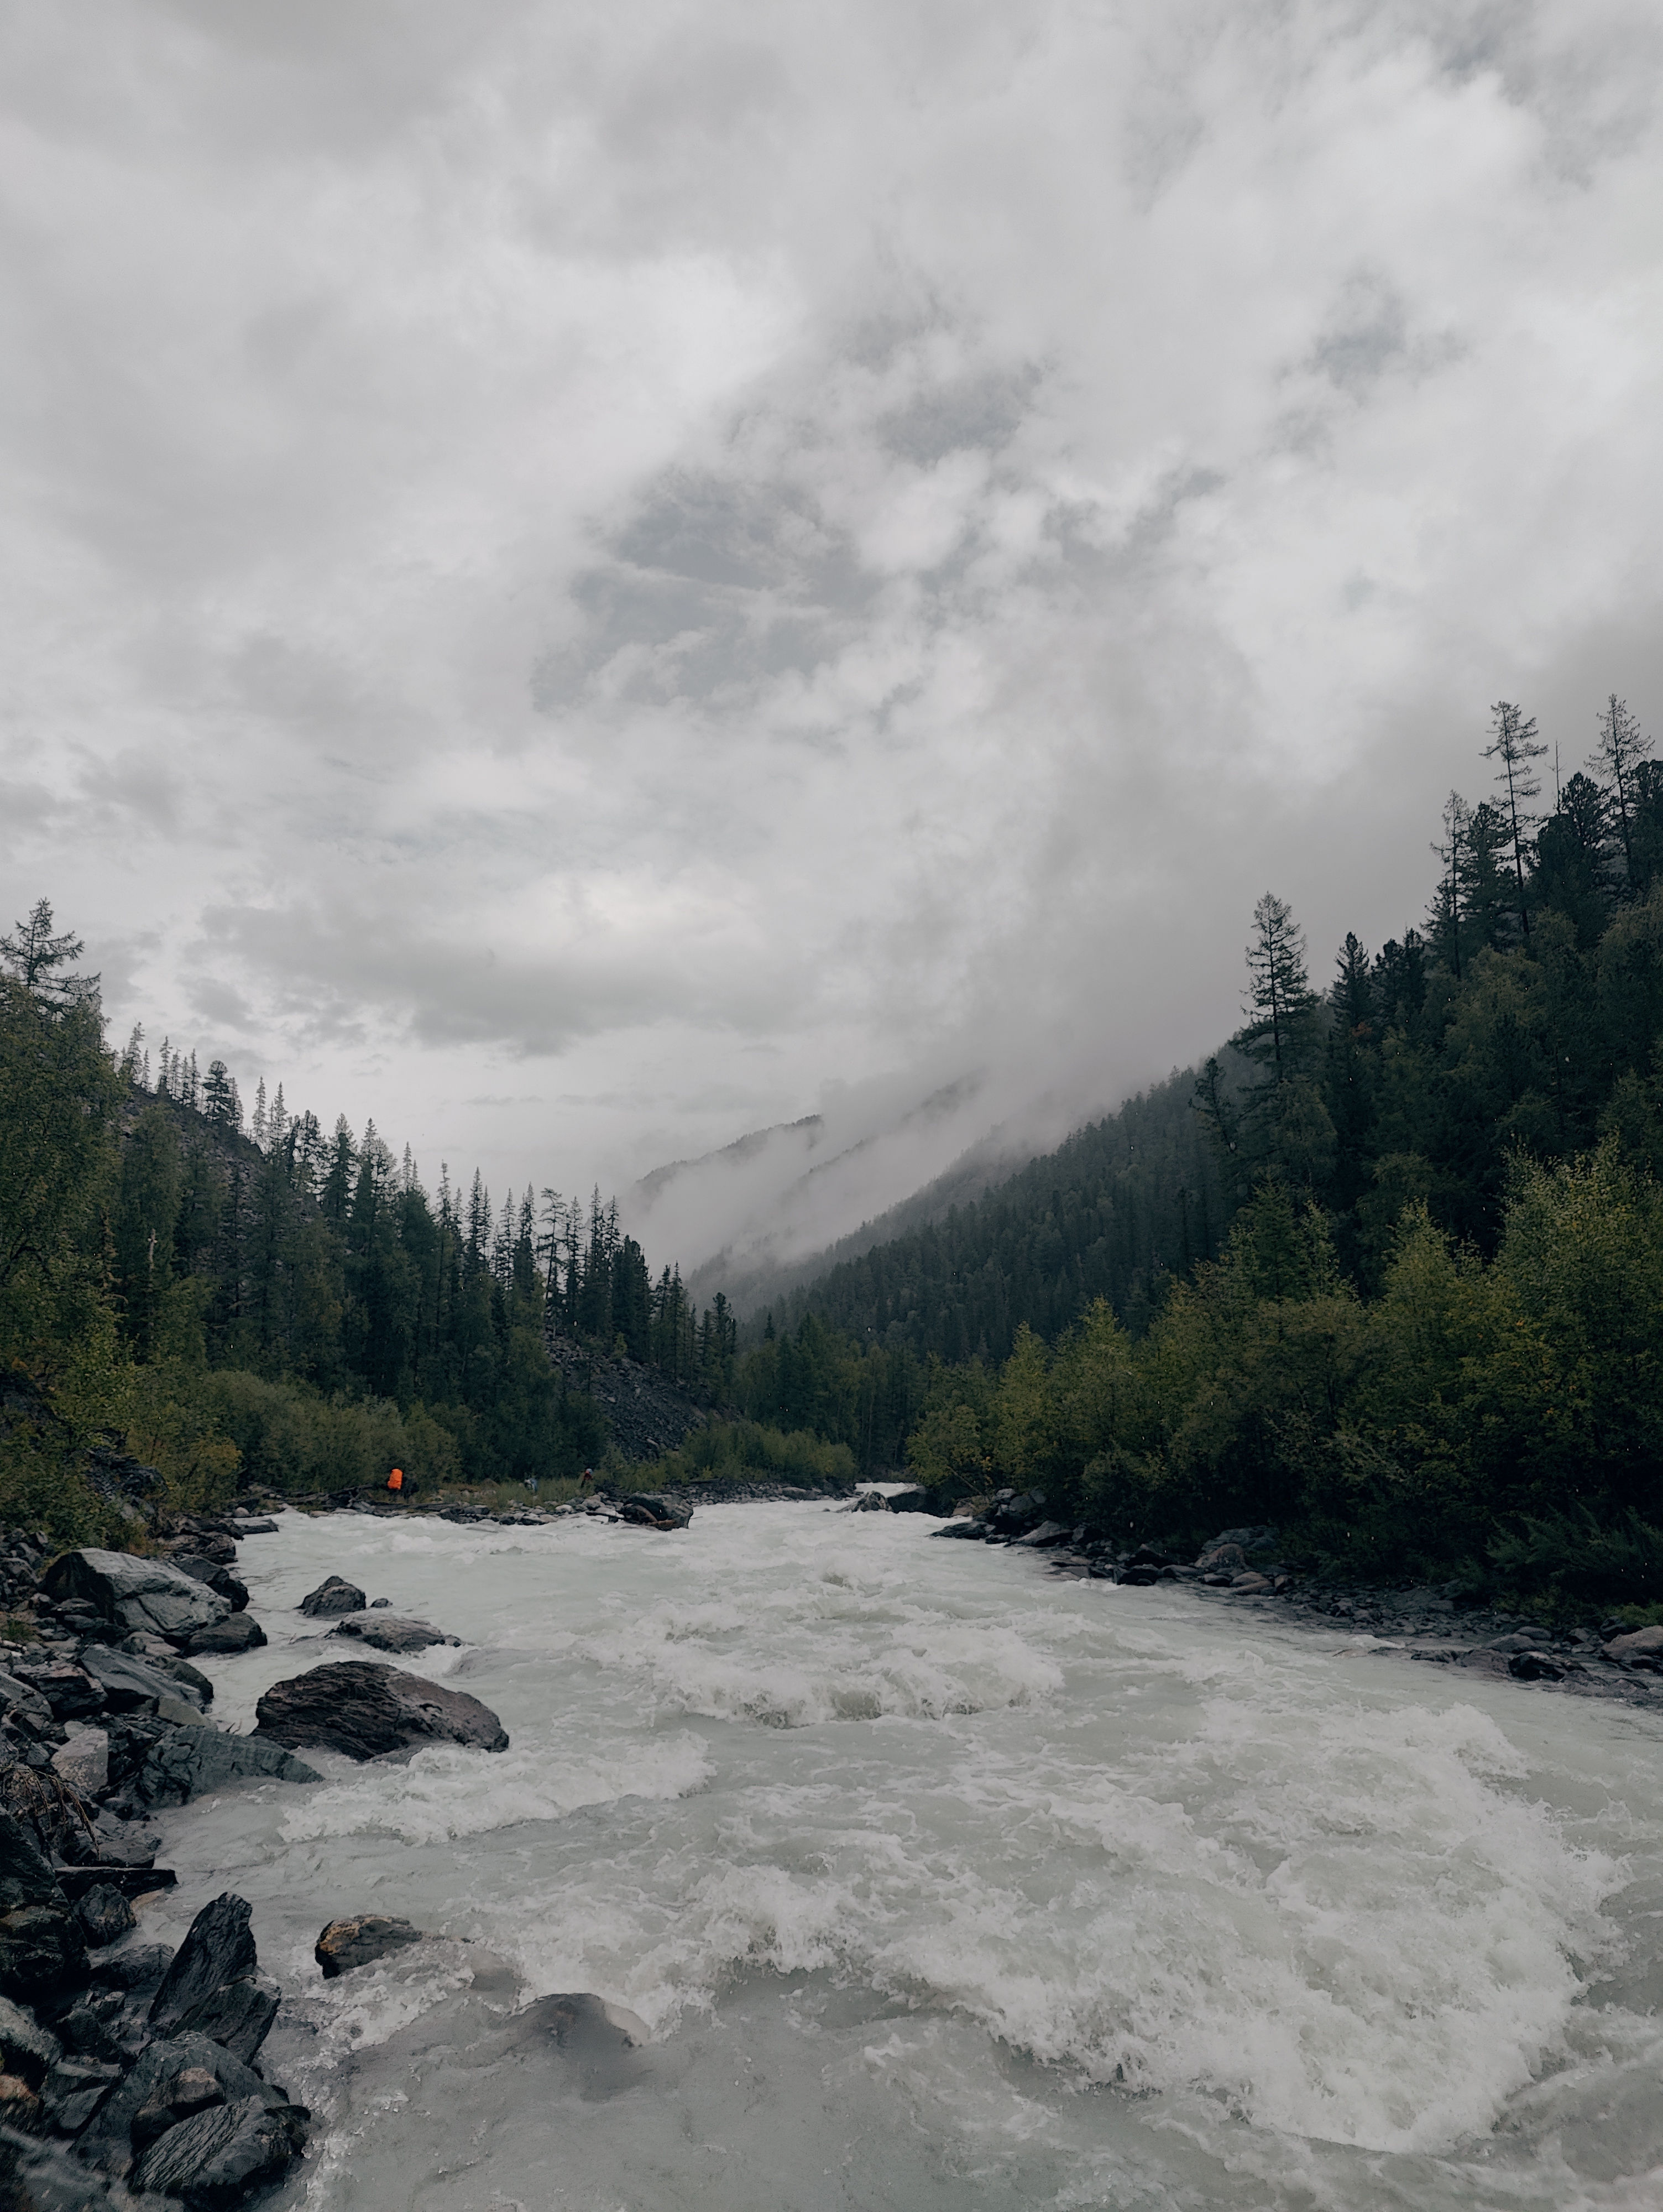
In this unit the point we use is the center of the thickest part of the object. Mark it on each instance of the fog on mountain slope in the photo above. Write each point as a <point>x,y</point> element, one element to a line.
<point>762,1214</point>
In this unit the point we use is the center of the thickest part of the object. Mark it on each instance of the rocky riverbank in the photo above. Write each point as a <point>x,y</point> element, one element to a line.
<point>126,2067</point>
<point>1240,1568</point>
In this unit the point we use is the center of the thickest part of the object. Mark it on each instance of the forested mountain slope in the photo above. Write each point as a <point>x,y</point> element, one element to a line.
<point>1431,1334</point>
<point>1107,1215</point>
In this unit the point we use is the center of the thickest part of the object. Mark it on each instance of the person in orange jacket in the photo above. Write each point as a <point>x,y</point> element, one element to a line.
<point>396,1483</point>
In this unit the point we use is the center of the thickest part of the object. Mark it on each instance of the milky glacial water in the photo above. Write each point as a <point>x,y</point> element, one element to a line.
<point>939,1883</point>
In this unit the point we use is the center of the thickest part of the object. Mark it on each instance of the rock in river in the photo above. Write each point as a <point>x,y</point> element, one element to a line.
<point>191,1762</point>
<point>368,1711</point>
<point>345,1944</point>
<point>333,1595</point>
<point>388,1633</point>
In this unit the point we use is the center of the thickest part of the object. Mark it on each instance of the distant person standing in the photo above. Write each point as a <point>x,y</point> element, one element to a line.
<point>395,1484</point>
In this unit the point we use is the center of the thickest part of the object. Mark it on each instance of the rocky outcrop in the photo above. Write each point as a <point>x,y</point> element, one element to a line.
<point>132,1685</point>
<point>219,1948</point>
<point>215,2157</point>
<point>139,1595</point>
<point>648,1414</point>
<point>372,1711</point>
<point>156,2100</point>
<point>346,1944</point>
<point>333,1597</point>
<point>238,2015</point>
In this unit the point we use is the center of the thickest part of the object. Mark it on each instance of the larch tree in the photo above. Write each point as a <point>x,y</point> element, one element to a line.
<point>1616,762</point>
<point>1516,747</point>
<point>34,956</point>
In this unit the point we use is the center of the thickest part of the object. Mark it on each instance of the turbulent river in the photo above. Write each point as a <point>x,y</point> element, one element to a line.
<point>940,1884</point>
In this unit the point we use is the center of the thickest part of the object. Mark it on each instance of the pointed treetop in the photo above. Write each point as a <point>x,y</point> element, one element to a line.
<point>31,953</point>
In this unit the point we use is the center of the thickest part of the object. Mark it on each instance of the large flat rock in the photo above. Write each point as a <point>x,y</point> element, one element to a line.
<point>142,1595</point>
<point>193,1762</point>
<point>392,1631</point>
<point>370,1712</point>
<point>132,1685</point>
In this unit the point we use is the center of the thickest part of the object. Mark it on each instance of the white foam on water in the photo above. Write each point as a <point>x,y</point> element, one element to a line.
<point>1253,1918</point>
<point>441,1794</point>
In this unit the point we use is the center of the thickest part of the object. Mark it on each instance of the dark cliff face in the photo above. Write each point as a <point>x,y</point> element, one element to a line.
<point>649,1414</point>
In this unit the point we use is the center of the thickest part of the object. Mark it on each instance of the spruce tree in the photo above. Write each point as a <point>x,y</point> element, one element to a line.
<point>216,1093</point>
<point>1281,1015</point>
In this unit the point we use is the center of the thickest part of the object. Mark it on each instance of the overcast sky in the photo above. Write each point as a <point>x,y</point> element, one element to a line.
<point>584,580</point>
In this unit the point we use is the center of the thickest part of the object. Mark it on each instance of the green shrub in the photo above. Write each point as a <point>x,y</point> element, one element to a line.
<point>1578,1555</point>
<point>745,1451</point>
<point>293,1439</point>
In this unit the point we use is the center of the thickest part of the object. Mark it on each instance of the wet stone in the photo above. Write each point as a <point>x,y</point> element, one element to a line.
<point>346,1944</point>
<point>331,1597</point>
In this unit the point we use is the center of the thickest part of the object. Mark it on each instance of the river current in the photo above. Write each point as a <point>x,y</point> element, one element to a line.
<point>940,1884</point>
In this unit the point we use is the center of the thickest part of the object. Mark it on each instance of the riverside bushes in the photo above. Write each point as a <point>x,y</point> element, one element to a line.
<point>1503,1416</point>
<point>748,1451</point>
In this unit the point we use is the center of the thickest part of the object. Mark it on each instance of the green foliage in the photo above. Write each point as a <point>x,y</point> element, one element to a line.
<point>1574,1555</point>
<point>293,1438</point>
<point>59,1092</point>
<point>815,1379</point>
<point>1508,1410</point>
<point>42,1487</point>
<point>749,1451</point>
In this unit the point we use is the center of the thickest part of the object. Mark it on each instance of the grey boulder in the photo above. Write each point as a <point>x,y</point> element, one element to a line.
<point>107,2143</point>
<point>242,1632</point>
<point>105,1915</point>
<point>1636,1644</point>
<point>138,1595</point>
<point>370,1712</point>
<point>74,2089</point>
<point>24,1701</point>
<point>218,1948</point>
<point>215,1575</point>
<point>346,1944</point>
<point>191,1762</point>
<point>237,2016</point>
<point>131,1684</point>
<point>223,2153</point>
<point>333,1595</point>
<point>391,1633</point>
<point>84,1762</point>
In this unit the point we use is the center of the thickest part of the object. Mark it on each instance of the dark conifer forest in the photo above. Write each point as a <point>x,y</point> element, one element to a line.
<point>1386,1270</point>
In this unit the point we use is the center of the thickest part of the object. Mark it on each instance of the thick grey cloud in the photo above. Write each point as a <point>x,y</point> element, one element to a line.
<point>586,581</point>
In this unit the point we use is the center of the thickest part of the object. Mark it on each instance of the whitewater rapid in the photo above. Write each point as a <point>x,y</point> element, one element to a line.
<point>941,1883</point>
